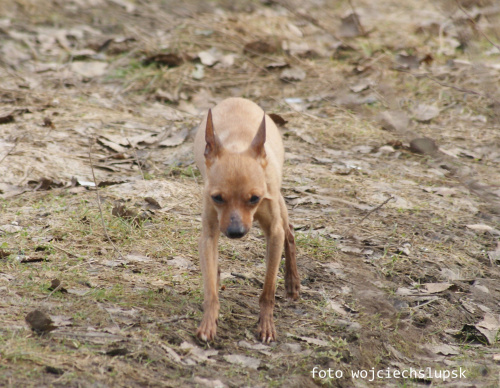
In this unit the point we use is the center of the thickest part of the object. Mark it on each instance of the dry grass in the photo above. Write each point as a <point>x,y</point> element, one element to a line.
<point>363,279</point>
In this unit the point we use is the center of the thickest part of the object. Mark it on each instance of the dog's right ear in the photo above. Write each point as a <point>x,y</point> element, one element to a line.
<point>214,147</point>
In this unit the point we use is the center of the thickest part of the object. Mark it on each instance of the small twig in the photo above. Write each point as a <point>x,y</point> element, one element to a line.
<point>54,290</point>
<point>10,151</point>
<point>136,158</point>
<point>253,280</point>
<point>376,208</point>
<point>64,250</point>
<point>476,27</point>
<point>459,89</point>
<point>176,318</point>
<point>99,202</point>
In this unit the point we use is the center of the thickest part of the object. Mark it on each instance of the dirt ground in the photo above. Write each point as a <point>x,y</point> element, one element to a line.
<point>390,113</point>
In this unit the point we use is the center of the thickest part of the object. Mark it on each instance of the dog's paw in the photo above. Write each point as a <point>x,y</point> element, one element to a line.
<point>265,329</point>
<point>207,330</point>
<point>292,287</point>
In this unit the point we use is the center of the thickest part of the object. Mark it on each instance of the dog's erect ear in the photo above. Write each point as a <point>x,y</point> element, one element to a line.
<point>214,146</point>
<point>257,146</point>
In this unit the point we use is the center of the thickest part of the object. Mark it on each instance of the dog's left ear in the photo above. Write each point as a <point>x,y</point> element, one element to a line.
<point>257,146</point>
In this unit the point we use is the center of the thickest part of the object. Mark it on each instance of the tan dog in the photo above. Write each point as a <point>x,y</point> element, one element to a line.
<point>239,152</point>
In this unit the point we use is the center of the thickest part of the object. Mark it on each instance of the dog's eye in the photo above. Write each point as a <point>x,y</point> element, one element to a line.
<point>254,200</point>
<point>218,198</point>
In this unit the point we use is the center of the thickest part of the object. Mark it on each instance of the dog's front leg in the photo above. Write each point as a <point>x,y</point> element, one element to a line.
<point>270,221</point>
<point>208,247</point>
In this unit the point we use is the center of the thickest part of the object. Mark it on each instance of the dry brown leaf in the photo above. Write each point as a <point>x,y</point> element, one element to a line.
<point>89,69</point>
<point>423,145</point>
<point>168,60</point>
<point>408,61</point>
<point>248,362</point>
<point>425,113</point>
<point>394,120</point>
<point>210,57</point>
<point>259,47</point>
<point>351,27</point>
<point>40,322</point>
<point>294,74</point>
<point>170,139</point>
<point>434,288</point>
<point>309,340</point>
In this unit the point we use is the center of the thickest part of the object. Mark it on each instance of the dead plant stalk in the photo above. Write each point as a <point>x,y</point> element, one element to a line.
<point>99,201</point>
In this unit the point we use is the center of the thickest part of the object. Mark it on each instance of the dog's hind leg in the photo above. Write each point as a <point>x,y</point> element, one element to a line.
<point>292,279</point>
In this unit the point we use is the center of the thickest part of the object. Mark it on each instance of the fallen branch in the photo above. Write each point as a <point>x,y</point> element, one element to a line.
<point>376,208</point>
<point>459,89</point>
<point>476,27</point>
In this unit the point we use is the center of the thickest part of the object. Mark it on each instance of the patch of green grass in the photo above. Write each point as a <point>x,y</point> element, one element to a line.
<point>321,248</point>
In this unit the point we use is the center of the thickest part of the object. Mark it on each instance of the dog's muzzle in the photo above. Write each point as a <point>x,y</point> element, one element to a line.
<point>235,229</point>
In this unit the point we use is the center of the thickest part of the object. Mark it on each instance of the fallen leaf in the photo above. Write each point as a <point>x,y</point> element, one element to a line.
<point>62,320</point>
<point>119,210</point>
<point>423,145</point>
<point>483,228</point>
<point>337,307</point>
<point>56,284</point>
<point>495,255</point>
<point>245,361</point>
<point>349,249</point>
<point>489,327</point>
<point>152,203</point>
<point>89,69</point>
<point>394,120</point>
<point>181,262</point>
<point>40,322</point>
<point>117,352</point>
<point>277,65</point>
<point>169,60</point>
<point>362,85</point>
<point>111,145</point>
<point>351,26</point>
<point>264,349</point>
<point>434,288</point>
<point>425,113</point>
<point>54,371</point>
<point>259,47</point>
<point>127,5</point>
<point>6,117</point>
<point>78,291</point>
<point>298,49</point>
<point>210,57</point>
<point>173,139</point>
<point>408,61</point>
<point>137,258</point>
<point>199,354</point>
<point>309,340</point>
<point>292,75</point>
<point>198,72</point>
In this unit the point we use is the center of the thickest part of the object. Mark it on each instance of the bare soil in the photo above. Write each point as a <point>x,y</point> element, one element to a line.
<point>392,179</point>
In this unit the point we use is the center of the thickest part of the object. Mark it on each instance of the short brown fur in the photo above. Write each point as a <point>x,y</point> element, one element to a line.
<point>239,152</point>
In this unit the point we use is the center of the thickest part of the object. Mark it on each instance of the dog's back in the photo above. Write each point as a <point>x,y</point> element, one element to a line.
<point>236,121</point>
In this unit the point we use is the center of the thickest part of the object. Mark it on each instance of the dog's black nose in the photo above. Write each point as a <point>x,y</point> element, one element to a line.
<point>236,231</point>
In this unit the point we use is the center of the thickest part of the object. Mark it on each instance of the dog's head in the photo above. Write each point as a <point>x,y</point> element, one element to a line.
<point>236,182</point>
